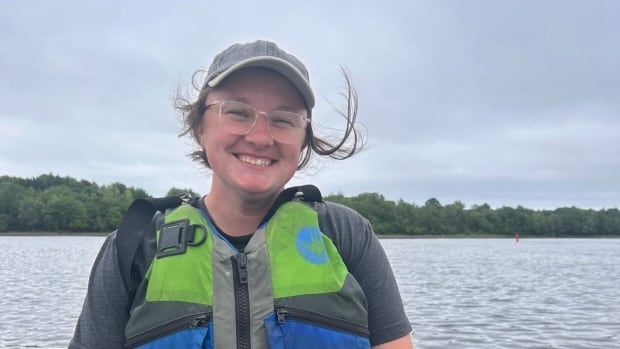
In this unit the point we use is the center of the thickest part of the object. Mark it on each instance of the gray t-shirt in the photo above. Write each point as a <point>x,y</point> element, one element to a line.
<point>105,312</point>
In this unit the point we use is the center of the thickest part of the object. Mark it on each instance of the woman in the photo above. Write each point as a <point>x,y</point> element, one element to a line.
<point>250,265</point>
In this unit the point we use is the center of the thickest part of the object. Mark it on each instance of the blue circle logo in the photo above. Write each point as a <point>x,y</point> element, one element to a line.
<point>310,245</point>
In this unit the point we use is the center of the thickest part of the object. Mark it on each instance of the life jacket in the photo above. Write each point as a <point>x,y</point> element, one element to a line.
<point>289,288</point>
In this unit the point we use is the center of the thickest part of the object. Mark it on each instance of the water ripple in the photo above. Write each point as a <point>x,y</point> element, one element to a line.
<point>484,293</point>
<point>44,281</point>
<point>495,293</point>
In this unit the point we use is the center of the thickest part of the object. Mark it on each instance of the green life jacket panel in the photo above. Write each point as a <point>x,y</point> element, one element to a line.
<point>288,289</point>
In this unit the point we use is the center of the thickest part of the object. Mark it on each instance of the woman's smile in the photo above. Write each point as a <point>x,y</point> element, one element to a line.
<point>253,160</point>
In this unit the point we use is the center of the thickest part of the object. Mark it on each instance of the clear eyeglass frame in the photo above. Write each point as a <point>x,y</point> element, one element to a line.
<point>240,119</point>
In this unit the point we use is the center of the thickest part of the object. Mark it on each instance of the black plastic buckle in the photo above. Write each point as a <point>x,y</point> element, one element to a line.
<point>174,237</point>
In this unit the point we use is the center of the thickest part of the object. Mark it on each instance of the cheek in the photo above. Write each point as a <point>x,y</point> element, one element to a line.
<point>294,154</point>
<point>203,141</point>
<point>204,137</point>
<point>210,135</point>
<point>302,148</point>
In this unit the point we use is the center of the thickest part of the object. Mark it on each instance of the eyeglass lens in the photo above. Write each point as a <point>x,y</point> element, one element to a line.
<point>240,118</point>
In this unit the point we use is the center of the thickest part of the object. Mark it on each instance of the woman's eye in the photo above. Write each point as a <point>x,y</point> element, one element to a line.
<point>238,113</point>
<point>282,122</point>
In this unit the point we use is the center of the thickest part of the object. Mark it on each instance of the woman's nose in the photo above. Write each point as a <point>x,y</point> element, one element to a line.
<point>259,134</point>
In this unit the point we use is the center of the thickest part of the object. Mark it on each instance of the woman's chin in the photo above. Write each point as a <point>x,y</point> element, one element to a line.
<point>259,188</point>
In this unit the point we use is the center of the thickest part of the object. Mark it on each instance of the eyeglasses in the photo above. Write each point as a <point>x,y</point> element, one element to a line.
<point>240,119</point>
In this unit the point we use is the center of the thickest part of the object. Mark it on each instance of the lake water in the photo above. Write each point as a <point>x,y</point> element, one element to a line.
<point>458,293</point>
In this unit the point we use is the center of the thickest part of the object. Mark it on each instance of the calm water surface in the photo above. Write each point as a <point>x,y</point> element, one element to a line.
<point>458,293</point>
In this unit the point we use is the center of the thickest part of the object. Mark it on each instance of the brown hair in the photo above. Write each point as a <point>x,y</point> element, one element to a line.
<point>347,144</point>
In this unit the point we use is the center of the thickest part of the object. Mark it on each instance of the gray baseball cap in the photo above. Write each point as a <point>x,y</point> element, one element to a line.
<point>263,54</point>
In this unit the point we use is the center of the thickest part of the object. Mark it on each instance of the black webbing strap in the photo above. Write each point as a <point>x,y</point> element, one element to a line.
<point>133,226</point>
<point>306,193</point>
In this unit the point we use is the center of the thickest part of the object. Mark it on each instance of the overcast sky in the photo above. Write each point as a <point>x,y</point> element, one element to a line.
<point>503,102</point>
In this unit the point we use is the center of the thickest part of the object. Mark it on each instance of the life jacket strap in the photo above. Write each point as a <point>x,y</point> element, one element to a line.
<point>134,225</point>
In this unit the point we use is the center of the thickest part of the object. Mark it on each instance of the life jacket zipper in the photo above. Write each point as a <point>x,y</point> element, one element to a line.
<point>242,300</point>
<point>284,313</point>
<point>192,322</point>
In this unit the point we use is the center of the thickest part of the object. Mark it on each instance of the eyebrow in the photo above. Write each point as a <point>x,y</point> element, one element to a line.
<point>238,99</point>
<point>246,101</point>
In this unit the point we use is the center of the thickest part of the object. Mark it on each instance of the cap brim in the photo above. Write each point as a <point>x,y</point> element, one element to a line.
<point>274,63</point>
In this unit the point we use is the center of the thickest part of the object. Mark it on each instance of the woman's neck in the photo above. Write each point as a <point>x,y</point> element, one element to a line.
<point>236,216</point>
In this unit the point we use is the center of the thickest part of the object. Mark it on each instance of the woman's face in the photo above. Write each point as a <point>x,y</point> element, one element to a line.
<point>253,164</point>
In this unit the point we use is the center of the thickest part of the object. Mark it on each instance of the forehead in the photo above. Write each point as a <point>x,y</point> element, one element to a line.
<point>256,86</point>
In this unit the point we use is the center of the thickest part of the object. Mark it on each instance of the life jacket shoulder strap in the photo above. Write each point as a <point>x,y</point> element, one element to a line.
<point>134,225</point>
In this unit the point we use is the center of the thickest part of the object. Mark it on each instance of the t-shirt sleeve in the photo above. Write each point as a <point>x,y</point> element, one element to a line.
<point>367,262</point>
<point>101,323</point>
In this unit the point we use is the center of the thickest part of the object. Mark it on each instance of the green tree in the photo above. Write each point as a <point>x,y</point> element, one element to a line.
<point>30,208</point>
<point>429,217</point>
<point>10,196</point>
<point>405,218</point>
<point>453,218</point>
<point>62,211</point>
<point>481,219</point>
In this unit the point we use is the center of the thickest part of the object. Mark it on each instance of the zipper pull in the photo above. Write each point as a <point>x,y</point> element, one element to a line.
<point>242,267</point>
<point>197,321</point>
<point>281,315</point>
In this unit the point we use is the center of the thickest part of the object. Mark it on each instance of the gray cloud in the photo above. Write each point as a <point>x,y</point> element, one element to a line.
<point>481,101</point>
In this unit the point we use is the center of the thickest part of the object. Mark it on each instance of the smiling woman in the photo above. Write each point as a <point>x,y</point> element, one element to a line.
<point>251,264</point>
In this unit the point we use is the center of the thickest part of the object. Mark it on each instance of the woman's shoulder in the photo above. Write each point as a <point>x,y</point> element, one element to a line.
<point>341,222</point>
<point>334,210</point>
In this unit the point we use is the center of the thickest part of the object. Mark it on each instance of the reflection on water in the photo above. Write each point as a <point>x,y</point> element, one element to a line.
<point>43,284</point>
<point>495,293</point>
<point>459,293</point>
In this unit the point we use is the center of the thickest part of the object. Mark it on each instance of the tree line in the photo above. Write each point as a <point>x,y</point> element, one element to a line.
<point>433,218</point>
<point>52,203</point>
<point>63,204</point>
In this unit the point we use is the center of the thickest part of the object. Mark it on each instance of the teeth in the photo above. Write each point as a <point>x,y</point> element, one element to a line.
<point>254,161</point>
